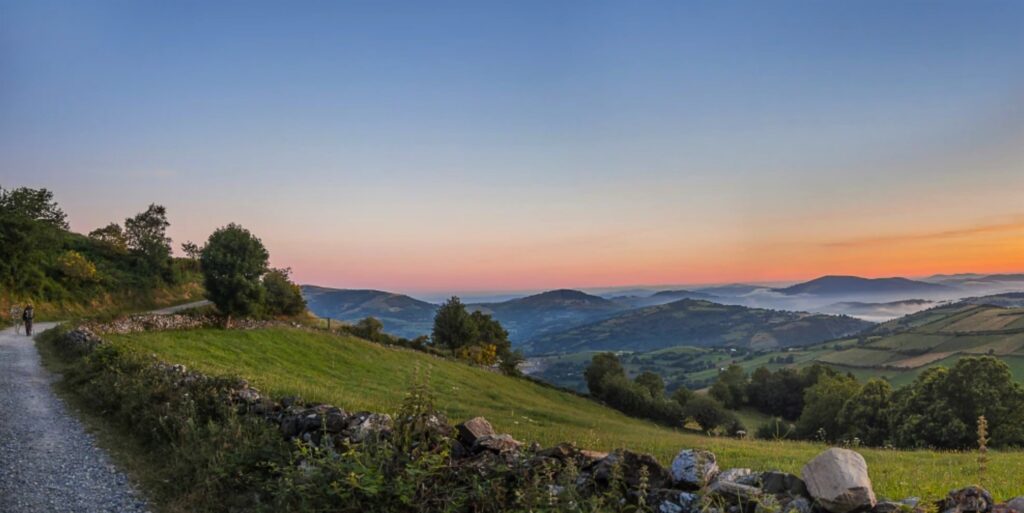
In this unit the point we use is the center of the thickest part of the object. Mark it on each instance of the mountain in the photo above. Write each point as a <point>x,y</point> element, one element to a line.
<point>402,315</point>
<point>974,278</point>
<point>735,289</point>
<point>612,294</point>
<point>660,298</point>
<point>539,314</point>
<point>877,312</point>
<point>857,286</point>
<point>697,323</point>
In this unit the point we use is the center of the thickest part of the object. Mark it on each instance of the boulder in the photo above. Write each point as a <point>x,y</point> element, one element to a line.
<point>798,505</point>
<point>630,464</point>
<point>972,499</point>
<point>335,420</point>
<point>1015,504</point>
<point>560,452</point>
<point>734,475</point>
<point>473,429</point>
<point>497,443</point>
<point>838,480</point>
<point>734,493</point>
<point>365,426</point>
<point>694,468</point>
<point>783,483</point>
<point>890,507</point>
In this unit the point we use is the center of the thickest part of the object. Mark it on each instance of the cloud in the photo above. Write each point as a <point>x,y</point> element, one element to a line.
<point>958,233</point>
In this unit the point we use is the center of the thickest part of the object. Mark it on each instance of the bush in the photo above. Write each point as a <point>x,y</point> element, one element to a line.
<point>283,297</point>
<point>708,413</point>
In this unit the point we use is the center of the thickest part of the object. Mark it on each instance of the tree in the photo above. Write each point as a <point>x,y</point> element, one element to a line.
<point>941,407</point>
<point>369,328</point>
<point>112,235</point>
<point>601,366</point>
<point>706,412</point>
<point>490,332</point>
<point>822,403</point>
<point>453,326</point>
<point>509,364</point>
<point>233,261</point>
<point>652,383</point>
<point>682,395</point>
<point>191,250</point>
<point>730,388</point>
<point>33,205</point>
<point>282,296</point>
<point>866,415</point>
<point>31,232</point>
<point>146,236</point>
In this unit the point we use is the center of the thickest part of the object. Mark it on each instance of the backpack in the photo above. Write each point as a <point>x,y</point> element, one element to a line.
<point>29,314</point>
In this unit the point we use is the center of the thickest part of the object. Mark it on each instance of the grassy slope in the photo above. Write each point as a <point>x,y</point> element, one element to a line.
<point>360,375</point>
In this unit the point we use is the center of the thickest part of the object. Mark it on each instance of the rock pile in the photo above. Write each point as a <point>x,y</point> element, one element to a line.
<point>157,322</point>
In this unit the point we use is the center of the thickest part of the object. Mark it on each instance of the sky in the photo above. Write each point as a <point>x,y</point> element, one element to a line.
<point>490,146</point>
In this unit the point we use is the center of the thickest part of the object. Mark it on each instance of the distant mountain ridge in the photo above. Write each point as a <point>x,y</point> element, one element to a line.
<point>697,323</point>
<point>535,315</point>
<point>402,315</point>
<point>855,285</point>
<point>662,297</point>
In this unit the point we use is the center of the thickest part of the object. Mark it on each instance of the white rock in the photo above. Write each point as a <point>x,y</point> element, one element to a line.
<point>838,480</point>
<point>694,468</point>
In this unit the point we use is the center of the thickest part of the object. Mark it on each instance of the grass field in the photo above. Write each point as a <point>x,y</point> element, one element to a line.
<point>356,374</point>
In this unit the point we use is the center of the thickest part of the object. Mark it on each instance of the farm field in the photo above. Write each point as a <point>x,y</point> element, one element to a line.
<point>356,374</point>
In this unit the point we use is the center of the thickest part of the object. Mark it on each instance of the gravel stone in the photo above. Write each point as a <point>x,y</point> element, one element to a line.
<point>47,460</point>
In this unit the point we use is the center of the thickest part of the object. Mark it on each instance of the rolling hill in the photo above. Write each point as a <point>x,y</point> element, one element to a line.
<point>402,315</point>
<point>857,286</point>
<point>662,297</point>
<point>902,348</point>
<point>698,323</point>
<point>540,314</point>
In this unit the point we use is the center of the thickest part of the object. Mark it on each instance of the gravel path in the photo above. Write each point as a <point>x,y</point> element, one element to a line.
<point>47,460</point>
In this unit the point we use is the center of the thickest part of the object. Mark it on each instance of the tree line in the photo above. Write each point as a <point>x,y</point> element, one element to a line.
<point>644,396</point>
<point>940,409</point>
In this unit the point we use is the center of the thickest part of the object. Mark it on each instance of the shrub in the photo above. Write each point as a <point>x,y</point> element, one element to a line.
<point>283,297</point>
<point>706,412</point>
<point>76,267</point>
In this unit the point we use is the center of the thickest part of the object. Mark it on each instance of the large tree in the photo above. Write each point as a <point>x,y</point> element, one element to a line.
<point>31,227</point>
<point>146,236</point>
<point>866,415</point>
<point>602,368</point>
<point>942,406</point>
<point>822,403</point>
<point>233,262</point>
<point>453,326</point>
<point>731,387</point>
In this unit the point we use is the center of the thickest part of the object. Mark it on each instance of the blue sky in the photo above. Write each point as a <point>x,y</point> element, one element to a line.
<point>490,145</point>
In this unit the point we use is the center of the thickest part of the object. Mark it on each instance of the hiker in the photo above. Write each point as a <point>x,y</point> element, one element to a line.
<point>27,315</point>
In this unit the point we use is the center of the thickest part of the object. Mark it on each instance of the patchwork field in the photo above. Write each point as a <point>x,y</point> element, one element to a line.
<point>357,375</point>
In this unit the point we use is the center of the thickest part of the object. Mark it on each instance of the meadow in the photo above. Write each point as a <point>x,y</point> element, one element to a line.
<point>360,375</point>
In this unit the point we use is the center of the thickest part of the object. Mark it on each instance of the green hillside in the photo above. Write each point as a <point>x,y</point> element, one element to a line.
<point>356,374</point>
<point>65,274</point>
<point>901,349</point>
<point>698,323</point>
